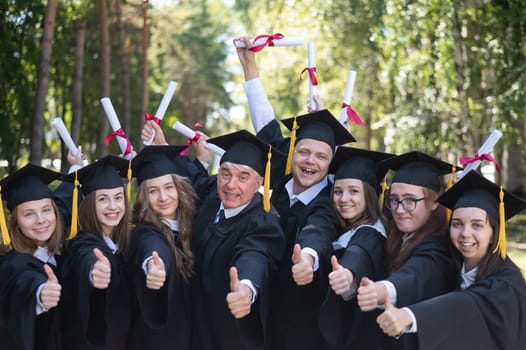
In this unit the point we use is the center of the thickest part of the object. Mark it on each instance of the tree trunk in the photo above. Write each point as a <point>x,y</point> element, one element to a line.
<point>125,75</point>
<point>76,90</point>
<point>37,133</point>
<point>145,32</point>
<point>102,149</point>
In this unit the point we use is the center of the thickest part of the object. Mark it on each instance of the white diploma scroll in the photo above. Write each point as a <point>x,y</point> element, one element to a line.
<point>189,133</point>
<point>486,147</point>
<point>313,89</point>
<point>347,96</point>
<point>64,134</point>
<point>287,41</point>
<point>161,111</point>
<point>115,124</point>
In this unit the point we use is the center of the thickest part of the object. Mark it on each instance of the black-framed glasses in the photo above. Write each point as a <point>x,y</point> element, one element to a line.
<point>409,204</point>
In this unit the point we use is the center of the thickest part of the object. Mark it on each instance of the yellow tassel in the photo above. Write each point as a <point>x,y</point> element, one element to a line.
<point>449,184</point>
<point>74,209</point>
<point>382,194</point>
<point>288,169</point>
<point>266,182</point>
<point>6,240</point>
<point>501,243</point>
<point>129,176</point>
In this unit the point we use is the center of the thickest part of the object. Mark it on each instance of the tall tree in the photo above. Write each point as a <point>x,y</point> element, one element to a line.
<point>106,74</point>
<point>144,62</point>
<point>48,33</point>
<point>124,67</point>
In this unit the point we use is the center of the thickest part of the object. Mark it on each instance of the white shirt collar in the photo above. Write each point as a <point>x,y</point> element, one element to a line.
<point>344,239</point>
<point>232,212</point>
<point>173,224</point>
<point>306,196</point>
<point>468,278</point>
<point>112,245</point>
<point>43,255</point>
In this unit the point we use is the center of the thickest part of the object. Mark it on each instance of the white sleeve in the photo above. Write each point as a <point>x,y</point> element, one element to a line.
<point>414,327</point>
<point>261,111</point>
<point>391,291</point>
<point>314,254</point>
<point>250,285</point>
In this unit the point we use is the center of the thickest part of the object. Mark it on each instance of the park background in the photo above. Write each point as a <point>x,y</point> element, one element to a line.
<point>432,75</point>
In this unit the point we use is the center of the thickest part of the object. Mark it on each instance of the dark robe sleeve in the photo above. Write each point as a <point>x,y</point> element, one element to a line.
<point>489,314</point>
<point>153,304</point>
<point>20,276</point>
<point>428,272</point>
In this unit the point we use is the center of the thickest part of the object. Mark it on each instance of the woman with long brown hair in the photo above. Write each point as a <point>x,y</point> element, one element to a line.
<point>95,309</point>
<point>159,258</point>
<point>419,264</point>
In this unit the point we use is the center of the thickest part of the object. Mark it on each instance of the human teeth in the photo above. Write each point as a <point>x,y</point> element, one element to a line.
<point>309,171</point>
<point>467,244</point>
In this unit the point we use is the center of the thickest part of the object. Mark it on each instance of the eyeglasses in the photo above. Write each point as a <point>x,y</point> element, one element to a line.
<point>409,204</point>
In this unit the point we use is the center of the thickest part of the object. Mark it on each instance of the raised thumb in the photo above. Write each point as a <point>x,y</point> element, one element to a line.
<point>334,263</point>
<point>98,254</point>
<point>156,260</point>
<point>50,274</point>
<point>365,281</point>
<point>234,279</point>
<point>296,254</point>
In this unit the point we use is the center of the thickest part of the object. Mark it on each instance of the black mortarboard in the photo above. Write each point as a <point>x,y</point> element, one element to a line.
<point>241,147</point>
<point>104,173</point>
<point>155,161</point>
<point>418,168</point>
<point>319,125</point>
<point>27,184</point>
<point>473,190</point>
<point>357,163</point>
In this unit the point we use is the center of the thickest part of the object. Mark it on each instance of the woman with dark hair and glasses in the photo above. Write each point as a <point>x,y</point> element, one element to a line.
<point>418,259</point>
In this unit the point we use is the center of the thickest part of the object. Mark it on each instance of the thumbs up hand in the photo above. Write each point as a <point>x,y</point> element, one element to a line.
<point>393,320</point>
<point>240,296</point>
<point>340,278</point>
<point>302,270</point>
<point>101,270</point>
<point>50,292</point>
<point>156,275</point>
<point>369,294</point>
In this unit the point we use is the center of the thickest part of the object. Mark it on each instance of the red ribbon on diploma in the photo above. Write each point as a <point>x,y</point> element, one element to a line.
<point>351,114</point>
<point>148,116</point>
<point>190,141</point>
<point>486,156</point>
<point>312,75</point>
<point>120,133</point>
<point>268,42</point>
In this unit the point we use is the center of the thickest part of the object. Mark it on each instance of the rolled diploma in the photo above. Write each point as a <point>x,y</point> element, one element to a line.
<point>292,41</point>
<point>114,121</point>
<point>347,96</point>
<point>313,89</point>
<point>64,134</point>
<point>186,131</point>
<point>161,111</point>
<point>486,147</point>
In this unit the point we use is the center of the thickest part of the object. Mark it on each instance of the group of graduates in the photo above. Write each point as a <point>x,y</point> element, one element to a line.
<point>332,259</point>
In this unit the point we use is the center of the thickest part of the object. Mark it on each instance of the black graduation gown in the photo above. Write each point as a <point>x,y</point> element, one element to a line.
<point>93,318</point>
<point>487,315</point>
<point>294,310</point>
<point>20,328</point>
<point>429,271</point>
<point>253,242</point>
<point>160,318</point>
<point>342,323</point>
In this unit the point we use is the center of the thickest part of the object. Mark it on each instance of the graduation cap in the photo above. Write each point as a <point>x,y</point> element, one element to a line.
<point>419,169</point>
<point>361,164</point>
<point>241,147</point>
<point>319,125</point>
<point>474,190</point>
<point>155,161</point>
<point>105,173</point>
<point>29,183</point>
